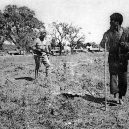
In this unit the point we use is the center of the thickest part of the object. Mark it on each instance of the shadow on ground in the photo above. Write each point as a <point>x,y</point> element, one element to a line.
<point>25,78</point>
<point>91,99</point>
<point>99,100</point>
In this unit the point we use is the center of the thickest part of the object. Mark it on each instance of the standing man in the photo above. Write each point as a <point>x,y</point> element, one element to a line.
<point>41,53</point>
<point>117,44</point>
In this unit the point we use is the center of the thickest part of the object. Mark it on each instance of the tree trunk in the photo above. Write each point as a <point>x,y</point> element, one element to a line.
<point>1,46</point>
<point>60,45</point>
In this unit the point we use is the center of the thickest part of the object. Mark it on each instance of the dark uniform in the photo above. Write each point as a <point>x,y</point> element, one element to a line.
<point>117,43</point>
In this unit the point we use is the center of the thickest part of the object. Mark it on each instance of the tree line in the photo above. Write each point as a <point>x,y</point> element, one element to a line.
<point>18,25</point>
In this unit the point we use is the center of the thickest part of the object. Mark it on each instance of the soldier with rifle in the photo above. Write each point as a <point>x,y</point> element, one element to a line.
<point>116,40</point>
<point>41,53</point>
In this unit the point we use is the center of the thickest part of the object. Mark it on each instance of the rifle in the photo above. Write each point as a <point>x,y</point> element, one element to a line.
<point>39,51</point>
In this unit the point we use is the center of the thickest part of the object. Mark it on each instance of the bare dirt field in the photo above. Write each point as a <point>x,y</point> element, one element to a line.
<point>72,97</point>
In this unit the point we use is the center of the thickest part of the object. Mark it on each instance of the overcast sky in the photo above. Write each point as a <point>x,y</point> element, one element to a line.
<point>91,15</point>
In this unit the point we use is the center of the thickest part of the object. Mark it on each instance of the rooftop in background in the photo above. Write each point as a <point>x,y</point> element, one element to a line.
<point>9,47</point>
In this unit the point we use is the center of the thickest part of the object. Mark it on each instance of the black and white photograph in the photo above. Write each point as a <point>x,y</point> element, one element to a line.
<point>64,64</point>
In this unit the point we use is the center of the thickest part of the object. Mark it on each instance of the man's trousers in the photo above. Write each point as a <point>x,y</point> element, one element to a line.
<point>118,83</point>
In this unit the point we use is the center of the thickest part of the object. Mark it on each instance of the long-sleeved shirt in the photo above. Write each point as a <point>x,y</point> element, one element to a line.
<point>117,44</point>
<point>116,41</point>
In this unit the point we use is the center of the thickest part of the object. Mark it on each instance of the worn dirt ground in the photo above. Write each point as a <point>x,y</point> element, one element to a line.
<point>72,97</point>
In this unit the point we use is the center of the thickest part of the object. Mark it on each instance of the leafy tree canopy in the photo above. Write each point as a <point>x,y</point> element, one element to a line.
<point>17,25</point>
<point>64,32</point>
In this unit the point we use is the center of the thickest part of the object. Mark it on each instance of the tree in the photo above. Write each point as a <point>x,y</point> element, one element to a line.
<point>2,29</point>
<point>75,37</point>
<point>19,24</point>
<point>59,32</point>
<point>63,32</point>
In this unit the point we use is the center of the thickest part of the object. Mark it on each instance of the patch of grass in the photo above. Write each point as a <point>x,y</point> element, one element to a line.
<point>62,101</point>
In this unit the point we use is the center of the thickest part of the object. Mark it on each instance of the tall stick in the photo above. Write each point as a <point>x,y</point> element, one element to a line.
<point>105,71</point>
